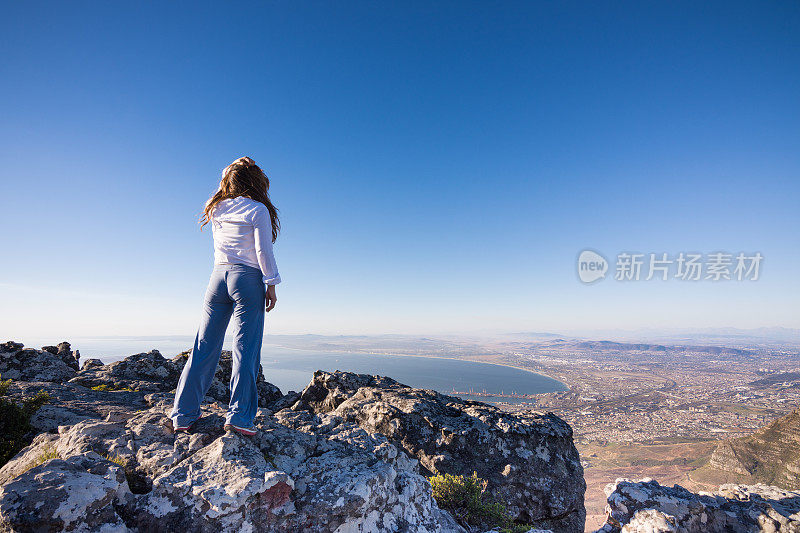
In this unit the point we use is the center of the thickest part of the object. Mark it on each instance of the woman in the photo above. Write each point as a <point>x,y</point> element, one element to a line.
<point>245,224</point>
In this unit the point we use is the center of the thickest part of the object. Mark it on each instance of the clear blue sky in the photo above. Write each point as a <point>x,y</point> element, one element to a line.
<point>438,166</point>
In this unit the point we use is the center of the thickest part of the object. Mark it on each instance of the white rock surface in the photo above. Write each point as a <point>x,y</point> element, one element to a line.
<point>646,507</point>
<point>280,480</point>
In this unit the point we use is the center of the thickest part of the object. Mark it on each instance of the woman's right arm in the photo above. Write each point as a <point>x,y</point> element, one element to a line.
<point>272,299</point>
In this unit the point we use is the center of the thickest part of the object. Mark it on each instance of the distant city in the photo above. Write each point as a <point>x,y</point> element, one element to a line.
<point>646,403</point>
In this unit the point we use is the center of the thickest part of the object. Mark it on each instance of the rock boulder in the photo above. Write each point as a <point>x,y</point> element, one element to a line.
<point>130,472</point>
<point>152,372</point>
<point>78,493</point>
<point>529,459</point>
<point>645,506</point>
<point>143,372</point>
<point>55,364</point>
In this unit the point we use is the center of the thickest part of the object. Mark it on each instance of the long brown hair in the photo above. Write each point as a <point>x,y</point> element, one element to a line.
<point>243,178</point>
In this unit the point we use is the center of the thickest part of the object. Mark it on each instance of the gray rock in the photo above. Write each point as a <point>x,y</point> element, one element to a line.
<point>64,495</point>
<point>143,372</point>
<point>18,363</point>
<point>131,471</point>
<point>151,372</point>
<point>645,506</point>
<point>68,356</point>
<point>91,363</point>
<point>11,346</point>
<point>70,403</point>
<point>529,459</point>
<point>287,400</point>
<point>335,428</point>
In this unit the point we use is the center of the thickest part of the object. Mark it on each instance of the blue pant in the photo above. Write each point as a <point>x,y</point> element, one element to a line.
<point>236,290</point>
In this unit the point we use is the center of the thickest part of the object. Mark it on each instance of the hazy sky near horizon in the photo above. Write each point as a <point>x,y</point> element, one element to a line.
<point>438,166</point>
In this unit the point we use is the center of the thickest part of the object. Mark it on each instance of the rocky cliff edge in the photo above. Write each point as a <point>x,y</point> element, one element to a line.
<point>349,453</point>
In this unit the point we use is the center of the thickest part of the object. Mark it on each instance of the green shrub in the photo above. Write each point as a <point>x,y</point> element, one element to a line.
<point>15,421</point>
<point>464,497</point>
<point>116,459</point>
<point>105,387</point>
<point>48,453</point>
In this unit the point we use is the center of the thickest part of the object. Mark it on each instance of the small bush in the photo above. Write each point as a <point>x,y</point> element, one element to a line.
<point>105,387</point>
<point>15,421</point>
<point>46,455</point>
<point>464,497</point>
<point>116,459</point>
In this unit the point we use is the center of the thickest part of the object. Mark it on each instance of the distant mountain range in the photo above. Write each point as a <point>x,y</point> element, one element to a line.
<point>623,346</point>
<point>764,337</point>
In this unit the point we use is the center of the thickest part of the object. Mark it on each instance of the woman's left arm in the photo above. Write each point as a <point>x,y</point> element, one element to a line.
<point>262,233</point>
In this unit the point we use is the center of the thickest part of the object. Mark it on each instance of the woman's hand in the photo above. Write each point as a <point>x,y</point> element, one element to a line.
<point>271,298</point>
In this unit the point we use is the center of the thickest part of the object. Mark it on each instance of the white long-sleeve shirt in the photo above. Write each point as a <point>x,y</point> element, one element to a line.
<point>242,232</point>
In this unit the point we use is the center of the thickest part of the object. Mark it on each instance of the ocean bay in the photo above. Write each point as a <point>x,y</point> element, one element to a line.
<point>292,368</point>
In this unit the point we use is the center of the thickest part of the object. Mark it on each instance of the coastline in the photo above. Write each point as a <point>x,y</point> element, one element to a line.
<point>151,342</point>
<point>349,352</point>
